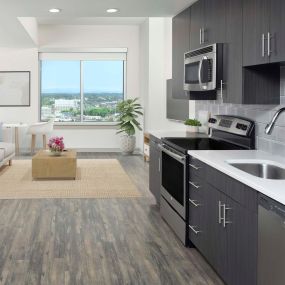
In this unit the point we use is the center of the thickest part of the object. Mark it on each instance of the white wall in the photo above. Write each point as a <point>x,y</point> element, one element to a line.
<point>100,138</point>
<point>21,60</point>
<point>149,65</point>
<point>159,70</point>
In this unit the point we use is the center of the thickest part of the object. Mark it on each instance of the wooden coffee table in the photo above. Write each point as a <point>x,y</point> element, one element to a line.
<point>46,166</point>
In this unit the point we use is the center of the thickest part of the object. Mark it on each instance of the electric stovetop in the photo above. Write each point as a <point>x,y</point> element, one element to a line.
<point>184,144</point>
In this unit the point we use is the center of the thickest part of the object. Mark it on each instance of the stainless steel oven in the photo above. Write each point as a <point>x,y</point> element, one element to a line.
<point>173,179</point>
<point>203,68</point>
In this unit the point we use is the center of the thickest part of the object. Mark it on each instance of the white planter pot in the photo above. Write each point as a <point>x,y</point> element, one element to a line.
<point>128,144</point>
<point>192,129</point>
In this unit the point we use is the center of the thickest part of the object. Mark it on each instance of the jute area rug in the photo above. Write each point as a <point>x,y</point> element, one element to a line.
<point>96,178</point>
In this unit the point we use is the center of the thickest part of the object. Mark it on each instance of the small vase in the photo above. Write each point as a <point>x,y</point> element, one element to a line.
<point>55,153</point>
<point>192,129</point>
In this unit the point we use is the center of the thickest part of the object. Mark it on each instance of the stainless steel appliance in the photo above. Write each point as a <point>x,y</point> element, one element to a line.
<point>271,242</point>
<point>226,133</point>
<point>203,68</point>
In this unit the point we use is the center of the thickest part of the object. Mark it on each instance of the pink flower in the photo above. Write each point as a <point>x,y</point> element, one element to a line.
<point>56,144</point>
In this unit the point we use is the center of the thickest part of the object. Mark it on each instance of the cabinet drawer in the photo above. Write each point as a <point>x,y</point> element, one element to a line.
<point>196,167</point>
<point>196,183</point>
<point>196,225</point>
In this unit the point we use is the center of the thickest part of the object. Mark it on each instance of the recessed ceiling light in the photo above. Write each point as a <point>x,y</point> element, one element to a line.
<point>112,10</point>
<point>54,10</point>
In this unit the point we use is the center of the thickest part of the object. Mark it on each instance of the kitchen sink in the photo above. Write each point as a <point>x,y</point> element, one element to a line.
<point>263,170</point>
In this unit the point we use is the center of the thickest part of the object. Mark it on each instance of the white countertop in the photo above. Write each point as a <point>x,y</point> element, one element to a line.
<point>274,189</point>
<point>180,134</point>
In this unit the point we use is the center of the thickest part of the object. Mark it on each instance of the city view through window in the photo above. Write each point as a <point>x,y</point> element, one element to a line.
<point>101,86</point>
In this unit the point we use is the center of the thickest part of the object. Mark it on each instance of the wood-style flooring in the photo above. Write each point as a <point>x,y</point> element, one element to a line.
<point>96,241</point>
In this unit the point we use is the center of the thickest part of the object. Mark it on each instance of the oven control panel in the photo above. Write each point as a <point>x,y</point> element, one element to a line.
<point>231,124</point>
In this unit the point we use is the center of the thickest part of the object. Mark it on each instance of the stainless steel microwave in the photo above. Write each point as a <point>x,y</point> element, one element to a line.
<point>203,68</point>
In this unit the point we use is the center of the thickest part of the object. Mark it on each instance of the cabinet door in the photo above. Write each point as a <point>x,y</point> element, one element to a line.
<point>241,245</point>
<point>214,21</point>
<point>255,26</point>
<point>154,170</point>
<point>233,53</point>
<point>277,26</point>
<point>216,234</point>
<point>196,24</point>
<point>180,45</point>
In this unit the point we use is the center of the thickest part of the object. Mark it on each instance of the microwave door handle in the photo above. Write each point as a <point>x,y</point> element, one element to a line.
<point>199,73</point>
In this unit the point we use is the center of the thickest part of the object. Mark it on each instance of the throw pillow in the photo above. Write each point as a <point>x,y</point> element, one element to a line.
<point>1,132</point>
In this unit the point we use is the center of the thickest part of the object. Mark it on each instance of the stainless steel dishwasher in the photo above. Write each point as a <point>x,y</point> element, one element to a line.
<point>271,242</point>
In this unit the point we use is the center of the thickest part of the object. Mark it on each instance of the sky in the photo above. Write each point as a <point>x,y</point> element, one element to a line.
<point>98,76</point>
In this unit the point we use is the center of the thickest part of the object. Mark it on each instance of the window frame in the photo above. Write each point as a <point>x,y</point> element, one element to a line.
<point>81,122</point>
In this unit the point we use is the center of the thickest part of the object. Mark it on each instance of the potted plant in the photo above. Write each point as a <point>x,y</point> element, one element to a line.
<point>192,125</point>
<point>129,111</point>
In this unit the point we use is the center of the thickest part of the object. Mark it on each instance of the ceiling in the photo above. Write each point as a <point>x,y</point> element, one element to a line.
<point>91,21</point>
<point>94,8</point>
<point>79,12</point>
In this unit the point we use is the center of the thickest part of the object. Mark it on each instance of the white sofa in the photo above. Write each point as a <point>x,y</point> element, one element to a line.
<point>7,148</point>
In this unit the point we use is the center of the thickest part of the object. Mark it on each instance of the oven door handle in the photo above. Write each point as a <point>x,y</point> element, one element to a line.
<point>173,155</point>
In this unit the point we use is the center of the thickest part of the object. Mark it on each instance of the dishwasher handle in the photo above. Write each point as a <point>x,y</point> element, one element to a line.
<point>272,205</point>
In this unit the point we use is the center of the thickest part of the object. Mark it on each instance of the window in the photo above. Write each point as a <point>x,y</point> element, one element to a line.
<point>81,90</point>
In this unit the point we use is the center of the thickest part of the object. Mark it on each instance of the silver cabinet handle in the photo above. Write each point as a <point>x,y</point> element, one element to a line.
<point>194,185</point>
<point>194,166</point>
<point>203,35</point>
<point>192,228</point>
<point>200,36</point>
<point>194,203</point>
<point>225,222</point>
<point>222,90</point>
<point>220,212</point>
<point>263,45</point>
<point>269,44</point>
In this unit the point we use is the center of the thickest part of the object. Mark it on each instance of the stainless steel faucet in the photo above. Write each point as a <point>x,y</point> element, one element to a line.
<point>269,127</point>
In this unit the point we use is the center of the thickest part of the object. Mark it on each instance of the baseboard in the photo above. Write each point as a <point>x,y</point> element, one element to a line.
<point>116,150</point>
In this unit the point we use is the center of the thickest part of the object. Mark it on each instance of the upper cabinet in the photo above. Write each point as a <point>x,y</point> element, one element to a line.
<point>180,45</point>
<point>207,19</point>
<point>252,33</point>
<point>255,29</point>
<point>277,36</point>
<point>232,63</point>
<point>215,21</point>
<point>263,32</point>
<point>196,24</point>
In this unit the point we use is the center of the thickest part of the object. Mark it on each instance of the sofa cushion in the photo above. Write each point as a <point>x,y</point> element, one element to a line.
<point>8,148</point>
<point>1,155</point>
<point>1,132</point>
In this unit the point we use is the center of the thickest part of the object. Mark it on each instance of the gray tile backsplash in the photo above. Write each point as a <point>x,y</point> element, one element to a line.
<point>261,114</point>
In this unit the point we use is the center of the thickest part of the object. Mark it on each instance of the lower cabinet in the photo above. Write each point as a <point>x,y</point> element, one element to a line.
<point>155,169</point>
<point>224,230</point>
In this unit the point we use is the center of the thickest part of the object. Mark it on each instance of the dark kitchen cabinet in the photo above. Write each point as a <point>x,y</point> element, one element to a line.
<point>277,25</point>
<point>207,23</point>
<point>196,24</point>
<point>226,224</point>
<point>232,61</point>
<point>255,29</point>
<point>180,45</point>
<point>154,169</point>
<point>241,232</point>
<point>214,21</point>
<point>263,31</point>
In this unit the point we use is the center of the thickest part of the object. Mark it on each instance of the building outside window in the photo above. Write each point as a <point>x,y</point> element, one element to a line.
<point>81,87</point>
